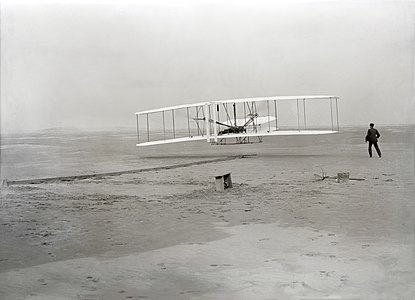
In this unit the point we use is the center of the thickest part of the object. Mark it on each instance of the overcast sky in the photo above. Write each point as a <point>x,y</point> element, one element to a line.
<point>93,64</point>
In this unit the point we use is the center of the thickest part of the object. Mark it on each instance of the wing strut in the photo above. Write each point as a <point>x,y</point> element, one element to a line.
<point>215,127</point>
<point>148,130</point>
<point>305,117</point>
<point>188,121</point>
<point>197,123</point>
<point>174,126</point>
<point>207,123</point>
<point>276,118</point>
<point>298,116</point>
<point>269,120</point>
<point>164,127</point>
<point>234,114</point>
<point>331,113</point>
<point>337,115</point>
<point>138,130</point>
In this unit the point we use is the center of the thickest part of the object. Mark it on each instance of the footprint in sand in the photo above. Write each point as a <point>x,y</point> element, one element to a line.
<point>89,288</point>
<point>298,286</point>
<point>327,274</point>
<point>118,244</point>
<point>94,279</point>
<point>272,259</point>
<point>189,292</point>
<point>42,281</point>
<point>312,254</point>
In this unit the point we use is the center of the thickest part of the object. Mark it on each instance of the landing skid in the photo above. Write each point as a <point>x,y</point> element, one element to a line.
<point>238,141</point>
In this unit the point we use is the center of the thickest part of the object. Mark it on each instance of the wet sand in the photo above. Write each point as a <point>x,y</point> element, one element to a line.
<point>279,233</point>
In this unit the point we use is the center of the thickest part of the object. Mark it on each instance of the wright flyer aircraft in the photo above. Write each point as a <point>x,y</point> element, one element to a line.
<point>238,121</point>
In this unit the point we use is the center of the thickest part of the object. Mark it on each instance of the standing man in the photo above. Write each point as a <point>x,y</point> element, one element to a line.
<point>372,137</point>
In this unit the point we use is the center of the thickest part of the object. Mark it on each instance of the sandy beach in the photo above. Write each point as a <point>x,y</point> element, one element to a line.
<point>279,233</point>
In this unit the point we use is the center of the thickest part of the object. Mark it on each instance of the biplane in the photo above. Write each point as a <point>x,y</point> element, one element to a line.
<point>239,120</point>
